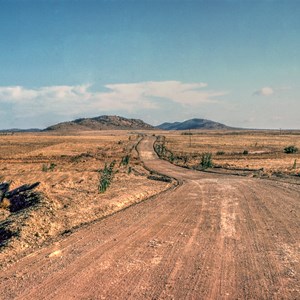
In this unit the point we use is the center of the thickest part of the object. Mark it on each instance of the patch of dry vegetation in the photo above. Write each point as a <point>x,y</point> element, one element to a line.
<point>67,168</point>
<point>237,149</point>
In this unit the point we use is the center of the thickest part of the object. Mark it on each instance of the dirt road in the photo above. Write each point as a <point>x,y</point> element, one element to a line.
<point>213,237</point>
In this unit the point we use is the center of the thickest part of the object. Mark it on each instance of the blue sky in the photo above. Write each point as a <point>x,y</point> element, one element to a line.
<point>236,62</point>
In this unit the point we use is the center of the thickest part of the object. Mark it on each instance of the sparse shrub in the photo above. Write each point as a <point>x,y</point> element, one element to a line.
<point>160,149</point>
<point>206,161</point>
<point>52,166</point>
<point>129,170</point>
<point>106,177</point>
<point>245,152</point>
<point>295,164</point>
<point>291,149</point>
<point>185,159</point>
<point>46,168</point>
<point>125,160</point>
<point>186,133</point>
<point>220,153</point>
<point>171,157</point>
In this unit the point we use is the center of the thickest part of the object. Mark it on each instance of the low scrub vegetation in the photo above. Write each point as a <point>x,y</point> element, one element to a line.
<point>295,164</point>
<point>47,168</point>
<point>171,156</point>
<point>206,161</point>
<point>229,150</point>
<point>220,153</point>
<point>106,177</point>
<point>160,149</point>
<point>290,149</point>
<point>125,160</point>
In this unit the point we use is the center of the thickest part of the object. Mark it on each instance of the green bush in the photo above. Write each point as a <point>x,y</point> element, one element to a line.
<point>206,161</point>
<point>171,156</point>
<point>125,160</point>
<point>107,175</point>
<point>160,149</point>
<point>52,166</point>
<point>245,152</point>
<point>290,149</point>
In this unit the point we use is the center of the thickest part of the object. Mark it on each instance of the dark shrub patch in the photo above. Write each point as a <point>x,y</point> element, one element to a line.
<point>206,161</point>
<point>5,234</point>
<point>290,149</point>
<point>23,200</point>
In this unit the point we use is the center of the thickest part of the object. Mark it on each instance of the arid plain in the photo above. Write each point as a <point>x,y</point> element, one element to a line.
<point>228,232</point>
<point>67,168</point>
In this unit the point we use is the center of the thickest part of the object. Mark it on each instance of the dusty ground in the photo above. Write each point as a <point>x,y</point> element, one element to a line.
<point>69,191</point>
<point>213,237</point>
<point>265,149</point>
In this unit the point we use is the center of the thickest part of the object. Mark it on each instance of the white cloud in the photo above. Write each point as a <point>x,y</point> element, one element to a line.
<point>118,95</point>
<point>265,91</point>
<point>70,101</point>
<point>15,93</point>
<point>20,94</point>
<point>176,91</point>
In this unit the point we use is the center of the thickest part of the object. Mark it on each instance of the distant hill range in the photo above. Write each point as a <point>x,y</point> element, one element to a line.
<point>193,124</point>
<point>116,122</point>
<point>15,130</point>
<point>100,123</point>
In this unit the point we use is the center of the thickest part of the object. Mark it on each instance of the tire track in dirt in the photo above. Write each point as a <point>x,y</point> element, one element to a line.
<point>260,253</point>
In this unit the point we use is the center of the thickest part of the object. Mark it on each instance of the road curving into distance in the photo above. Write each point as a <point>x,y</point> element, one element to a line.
<point>213,237</point>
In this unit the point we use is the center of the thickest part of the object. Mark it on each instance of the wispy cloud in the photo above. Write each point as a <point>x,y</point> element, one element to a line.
<point>265,91</point>
<point>19,94</point>
<point>176,91</point>
<point>129,97</point>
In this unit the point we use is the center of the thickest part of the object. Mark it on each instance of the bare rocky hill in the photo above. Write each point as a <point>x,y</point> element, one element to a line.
<point>100,123</point>
<point>193,124</point>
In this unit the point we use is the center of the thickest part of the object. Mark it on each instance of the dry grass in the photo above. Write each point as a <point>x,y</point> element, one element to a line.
<point>70,186</point>
<point>75,159</point>
<point>4,204</point>
<point>68,169</point>
<point>265,148</point>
